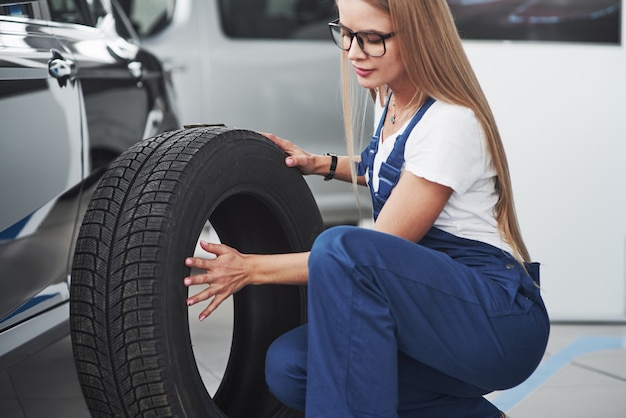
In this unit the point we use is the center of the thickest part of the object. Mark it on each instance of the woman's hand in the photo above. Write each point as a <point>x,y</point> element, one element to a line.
<point>309,163</point>
<point>225,274</point>
<point>297,157</point>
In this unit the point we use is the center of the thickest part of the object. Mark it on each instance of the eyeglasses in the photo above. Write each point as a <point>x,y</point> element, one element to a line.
<point>371,43</point>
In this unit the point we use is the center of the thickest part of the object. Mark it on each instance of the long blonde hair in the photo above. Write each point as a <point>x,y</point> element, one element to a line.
<point>437,65</point>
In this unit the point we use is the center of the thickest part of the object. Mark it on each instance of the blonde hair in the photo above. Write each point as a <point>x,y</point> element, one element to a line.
<point>438,67</point>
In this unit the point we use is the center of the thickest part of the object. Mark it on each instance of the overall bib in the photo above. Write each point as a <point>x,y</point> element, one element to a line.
<point>403,329</point>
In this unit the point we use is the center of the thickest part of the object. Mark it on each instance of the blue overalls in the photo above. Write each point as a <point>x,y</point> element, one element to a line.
<point>399,329</point>
<point>391,169</point>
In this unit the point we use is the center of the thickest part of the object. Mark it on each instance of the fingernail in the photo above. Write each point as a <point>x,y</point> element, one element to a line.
<point>202,317</point>
<point>190,302</point>
<point>203,242</point>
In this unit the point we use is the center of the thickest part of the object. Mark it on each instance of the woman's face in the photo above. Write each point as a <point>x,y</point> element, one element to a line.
<point>372,72</point>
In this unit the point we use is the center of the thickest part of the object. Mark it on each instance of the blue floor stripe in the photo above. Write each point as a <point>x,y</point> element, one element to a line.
<point>508,399</point>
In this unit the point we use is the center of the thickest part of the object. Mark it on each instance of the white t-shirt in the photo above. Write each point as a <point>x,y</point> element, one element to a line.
<point>448,147</point>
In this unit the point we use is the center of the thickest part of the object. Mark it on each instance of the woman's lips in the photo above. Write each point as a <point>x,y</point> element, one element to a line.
<point>361,72</point>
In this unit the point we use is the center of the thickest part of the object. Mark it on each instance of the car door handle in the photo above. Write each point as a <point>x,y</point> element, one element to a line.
<point>136,69</point>
<point>61,68</point>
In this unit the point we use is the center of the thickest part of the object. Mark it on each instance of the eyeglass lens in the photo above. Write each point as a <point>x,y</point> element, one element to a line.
<point>372,44</point>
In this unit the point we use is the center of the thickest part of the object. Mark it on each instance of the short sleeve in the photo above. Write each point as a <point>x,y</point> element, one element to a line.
<point>448,147</point>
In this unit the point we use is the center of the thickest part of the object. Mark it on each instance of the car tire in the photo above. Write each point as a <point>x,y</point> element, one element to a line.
<point>129,322</point>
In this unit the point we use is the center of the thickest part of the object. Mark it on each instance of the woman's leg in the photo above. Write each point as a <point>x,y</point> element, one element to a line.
<point>285,375</point>
<point>285,368</point>
<point>426,392</point>
<point>372,295</point>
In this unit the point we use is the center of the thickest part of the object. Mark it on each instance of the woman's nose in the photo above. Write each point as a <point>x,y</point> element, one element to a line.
<point>355,50</point>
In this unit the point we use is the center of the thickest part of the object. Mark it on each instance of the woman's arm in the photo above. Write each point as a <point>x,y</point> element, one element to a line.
<point>413,207</point>
<point>228,271</point>
<point>309,163</point>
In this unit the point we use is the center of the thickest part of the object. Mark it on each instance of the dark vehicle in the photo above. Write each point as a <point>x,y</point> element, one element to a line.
<point>76,90</point>
<point>589,21</point>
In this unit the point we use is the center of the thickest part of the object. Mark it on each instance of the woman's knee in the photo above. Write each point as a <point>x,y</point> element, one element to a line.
<point>336,245</point>
<point>285,368</point>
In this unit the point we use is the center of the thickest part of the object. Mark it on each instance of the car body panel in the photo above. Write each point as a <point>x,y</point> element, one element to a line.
<point>73,96</point>
<point>37,174</point>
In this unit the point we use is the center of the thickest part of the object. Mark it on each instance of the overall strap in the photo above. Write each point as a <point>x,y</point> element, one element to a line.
<point>391,169</point>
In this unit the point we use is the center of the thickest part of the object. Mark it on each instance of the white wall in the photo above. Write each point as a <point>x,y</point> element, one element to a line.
<point>561,109</point>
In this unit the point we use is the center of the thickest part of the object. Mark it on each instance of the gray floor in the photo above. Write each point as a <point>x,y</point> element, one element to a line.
<point>583,375</point>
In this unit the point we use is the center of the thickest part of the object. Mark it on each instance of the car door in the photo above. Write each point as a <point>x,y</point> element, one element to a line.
<point>41,162</point>
<point>120,82</point>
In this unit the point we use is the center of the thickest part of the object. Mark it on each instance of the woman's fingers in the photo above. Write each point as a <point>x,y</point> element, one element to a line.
<point>216,294</point>
<point>205,294</point>
<point>282,143</point>
<point>196,279</point>
<point>213,250</point>
<point>215,300</point>
<point>296,156</point>
<point>213,305</point>
<point>216,249</point>
<point>224,274</point>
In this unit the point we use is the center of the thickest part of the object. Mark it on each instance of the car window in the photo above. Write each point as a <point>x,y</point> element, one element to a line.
<point>17,10</point>
<point>84,12</point>
<point>149,17</point>
<point>277,19</point>
<point>263,19</point>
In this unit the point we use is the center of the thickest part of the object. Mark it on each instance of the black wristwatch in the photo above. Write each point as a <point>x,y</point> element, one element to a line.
<point>333,166</point>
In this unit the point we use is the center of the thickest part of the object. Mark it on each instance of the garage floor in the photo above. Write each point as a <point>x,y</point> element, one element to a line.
<point>583,375</point>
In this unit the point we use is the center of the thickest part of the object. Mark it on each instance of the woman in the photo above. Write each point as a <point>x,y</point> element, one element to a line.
<point>438,304</point>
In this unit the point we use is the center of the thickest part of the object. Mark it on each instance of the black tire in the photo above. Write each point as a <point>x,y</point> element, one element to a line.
<point>129,322</point>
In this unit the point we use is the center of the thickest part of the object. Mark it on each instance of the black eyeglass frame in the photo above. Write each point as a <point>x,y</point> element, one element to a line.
<point>335,24</point>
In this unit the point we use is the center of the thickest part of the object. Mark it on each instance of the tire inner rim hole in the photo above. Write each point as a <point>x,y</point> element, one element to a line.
<point>211,339</point>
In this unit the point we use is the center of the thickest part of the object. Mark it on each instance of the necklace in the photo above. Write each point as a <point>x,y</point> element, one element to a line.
<point>408,108</point>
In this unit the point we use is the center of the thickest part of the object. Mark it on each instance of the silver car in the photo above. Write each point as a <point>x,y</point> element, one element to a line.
<point>76,90</point>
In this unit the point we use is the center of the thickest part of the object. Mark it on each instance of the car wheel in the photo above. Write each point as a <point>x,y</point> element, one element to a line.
<point>129,322</point>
